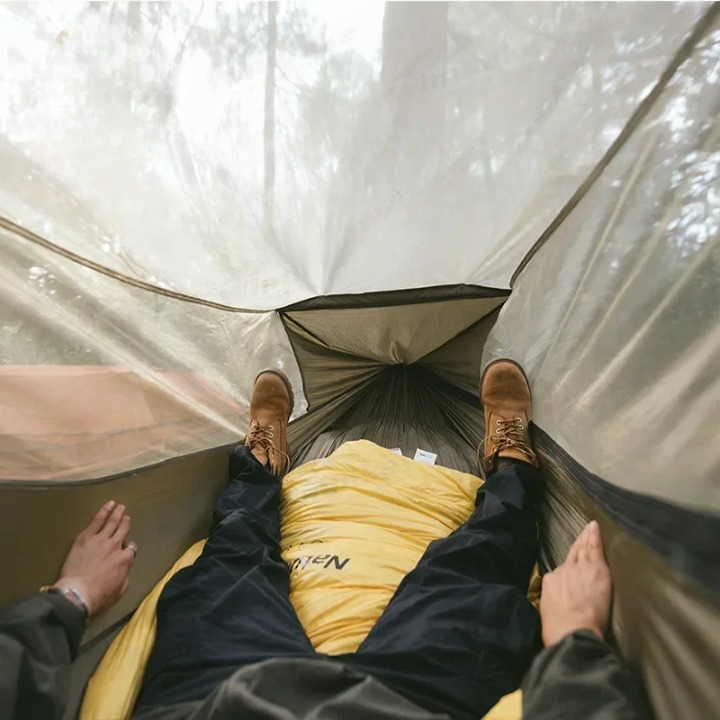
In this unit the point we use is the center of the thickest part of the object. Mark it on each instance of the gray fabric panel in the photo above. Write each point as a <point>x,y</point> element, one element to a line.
<point>459,360</point>
<point>334,379</point>
<point>170,506</point>
<point>667,626</point>
<point>394,334</point>
<point>664,624</point>
<point>327,373</point>
<point>331,380</point>
<point>692,552</point>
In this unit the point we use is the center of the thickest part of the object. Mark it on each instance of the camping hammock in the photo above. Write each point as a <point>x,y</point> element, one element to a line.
<point>378,200</point>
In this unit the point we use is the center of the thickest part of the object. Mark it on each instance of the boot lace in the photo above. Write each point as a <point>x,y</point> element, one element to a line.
<point>263,436</point>
<point>509,434</point>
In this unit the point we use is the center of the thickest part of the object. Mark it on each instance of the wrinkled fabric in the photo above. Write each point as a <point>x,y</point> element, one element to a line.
<point>310,689</point>
<point>582,677</point>
<point>39,638</point>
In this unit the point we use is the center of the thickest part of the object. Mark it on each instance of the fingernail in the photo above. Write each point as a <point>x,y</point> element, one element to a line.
<point>593,525</point>
<point>111,504</point>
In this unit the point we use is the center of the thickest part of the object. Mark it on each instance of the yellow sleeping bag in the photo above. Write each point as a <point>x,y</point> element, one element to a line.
<point>353,525</point>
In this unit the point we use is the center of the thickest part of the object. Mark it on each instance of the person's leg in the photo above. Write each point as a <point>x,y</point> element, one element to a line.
<point>231,608</point>
<point>459,632</point>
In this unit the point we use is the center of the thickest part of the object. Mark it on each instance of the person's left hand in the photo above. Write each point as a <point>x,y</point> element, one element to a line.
<point>100,559</point>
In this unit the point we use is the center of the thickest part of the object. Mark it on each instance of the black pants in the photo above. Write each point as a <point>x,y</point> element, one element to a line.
<point>457,635</point>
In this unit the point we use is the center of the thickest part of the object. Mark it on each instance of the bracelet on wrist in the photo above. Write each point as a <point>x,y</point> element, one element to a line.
<point>70,594</point>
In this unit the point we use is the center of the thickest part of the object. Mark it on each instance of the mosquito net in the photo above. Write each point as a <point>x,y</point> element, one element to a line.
<point>377,199</point>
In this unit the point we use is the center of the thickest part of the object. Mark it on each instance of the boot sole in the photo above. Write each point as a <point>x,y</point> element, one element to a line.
<point>286,382</point>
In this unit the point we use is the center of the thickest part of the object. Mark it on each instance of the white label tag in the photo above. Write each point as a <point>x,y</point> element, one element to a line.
<point>397,451</point>
<point>425,456</point>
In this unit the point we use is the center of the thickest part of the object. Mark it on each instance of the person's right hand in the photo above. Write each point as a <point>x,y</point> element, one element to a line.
<point>100,559</point>
<point>576,596</point>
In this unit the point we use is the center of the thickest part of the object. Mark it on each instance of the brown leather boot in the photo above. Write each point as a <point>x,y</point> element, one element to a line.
<point>271,404</point>
<point>505,395</point>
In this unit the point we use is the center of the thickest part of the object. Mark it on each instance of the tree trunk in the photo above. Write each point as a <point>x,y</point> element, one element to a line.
<point>132,37</point>
<point>269,128</point>
<point>414,67</point>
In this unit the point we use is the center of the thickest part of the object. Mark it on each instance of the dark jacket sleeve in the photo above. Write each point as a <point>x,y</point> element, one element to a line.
<point>39,639</point>
<point>582,677</point>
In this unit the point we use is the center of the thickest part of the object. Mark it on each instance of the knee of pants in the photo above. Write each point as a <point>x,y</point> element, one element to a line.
<point>239,495</point>
<point>245,525</point>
